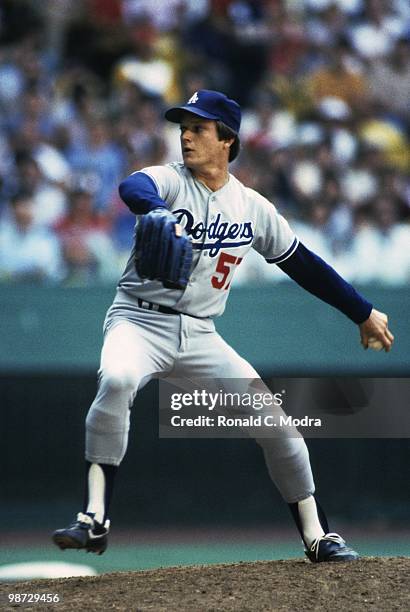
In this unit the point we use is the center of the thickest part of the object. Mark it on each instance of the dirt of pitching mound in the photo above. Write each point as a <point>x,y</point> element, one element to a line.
<point>369,584</point>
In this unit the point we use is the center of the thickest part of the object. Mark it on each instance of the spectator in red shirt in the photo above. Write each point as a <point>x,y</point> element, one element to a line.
<point>87,247</point>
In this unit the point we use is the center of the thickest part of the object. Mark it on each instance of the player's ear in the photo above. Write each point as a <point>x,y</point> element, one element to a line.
<point>228,143</point>
<point>229,138</point>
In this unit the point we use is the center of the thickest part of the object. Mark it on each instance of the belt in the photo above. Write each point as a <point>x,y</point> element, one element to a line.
<point>159,308</point>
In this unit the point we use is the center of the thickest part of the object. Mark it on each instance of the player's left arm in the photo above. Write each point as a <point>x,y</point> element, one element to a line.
<point>149,189</point>
<point>316,276</point>
<point>140,194</point>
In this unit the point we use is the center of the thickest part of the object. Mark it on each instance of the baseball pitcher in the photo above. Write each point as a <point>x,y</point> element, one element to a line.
<point>195,224</point>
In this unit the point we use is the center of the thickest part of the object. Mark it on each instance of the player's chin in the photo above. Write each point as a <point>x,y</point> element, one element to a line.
<point>188,156</point>
<point>191,162</point>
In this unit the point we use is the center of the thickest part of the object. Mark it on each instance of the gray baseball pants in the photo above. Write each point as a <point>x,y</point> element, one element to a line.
<point>140,345</point>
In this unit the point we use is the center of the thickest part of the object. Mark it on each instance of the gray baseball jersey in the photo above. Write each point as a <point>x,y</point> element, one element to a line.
<point>224,225</point>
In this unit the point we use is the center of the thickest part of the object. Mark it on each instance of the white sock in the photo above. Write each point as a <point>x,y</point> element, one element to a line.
<point>96,492</point>
<point>309,519</point>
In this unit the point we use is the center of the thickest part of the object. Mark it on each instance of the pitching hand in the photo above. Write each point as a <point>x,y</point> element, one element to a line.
<point>375,328</point>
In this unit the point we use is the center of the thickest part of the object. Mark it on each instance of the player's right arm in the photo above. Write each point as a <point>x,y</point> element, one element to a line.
<point>320,279</point>
<point>275,240</point>
<point>376,327</point>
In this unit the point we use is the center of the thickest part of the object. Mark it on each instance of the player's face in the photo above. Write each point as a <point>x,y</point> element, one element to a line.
<point>200,145</point>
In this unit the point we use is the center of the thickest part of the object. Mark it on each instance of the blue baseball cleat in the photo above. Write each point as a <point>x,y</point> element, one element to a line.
<point>84,533</point>
<point>330,547</point>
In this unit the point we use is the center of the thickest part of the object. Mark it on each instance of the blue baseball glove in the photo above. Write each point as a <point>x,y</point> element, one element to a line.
<point>163,250</point>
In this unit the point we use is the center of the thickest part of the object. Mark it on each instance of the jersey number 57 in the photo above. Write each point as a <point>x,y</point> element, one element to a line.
<point>224,268</point>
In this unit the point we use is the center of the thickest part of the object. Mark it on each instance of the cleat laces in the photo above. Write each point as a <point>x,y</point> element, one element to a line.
<point>329,537</point>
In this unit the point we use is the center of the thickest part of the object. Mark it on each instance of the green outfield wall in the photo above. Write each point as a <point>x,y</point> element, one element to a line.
<point>175,482</point>
<point>50,341</point>
<point>279,329</point>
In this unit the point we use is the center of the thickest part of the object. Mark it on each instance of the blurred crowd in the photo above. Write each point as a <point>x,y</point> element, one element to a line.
<point>325,90</point>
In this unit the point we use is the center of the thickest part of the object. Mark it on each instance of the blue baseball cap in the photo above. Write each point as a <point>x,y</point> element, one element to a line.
<point>210,105</point>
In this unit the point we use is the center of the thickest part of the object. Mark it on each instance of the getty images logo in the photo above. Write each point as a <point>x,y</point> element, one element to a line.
<point>193,98</point>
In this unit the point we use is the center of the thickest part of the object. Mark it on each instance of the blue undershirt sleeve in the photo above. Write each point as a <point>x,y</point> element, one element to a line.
<point>140,193</point>
<point>320,279</point>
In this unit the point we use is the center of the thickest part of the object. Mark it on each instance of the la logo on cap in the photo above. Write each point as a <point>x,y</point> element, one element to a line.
<point>193,98</point>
